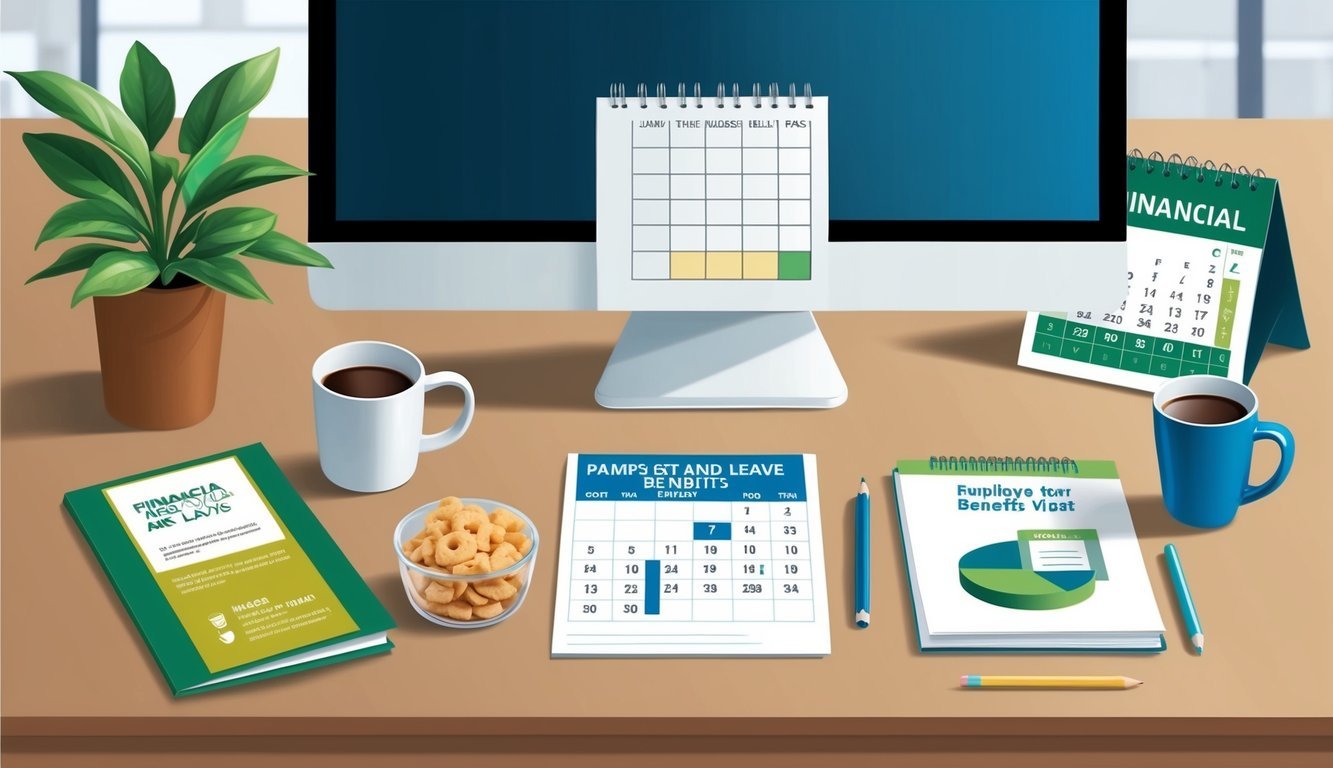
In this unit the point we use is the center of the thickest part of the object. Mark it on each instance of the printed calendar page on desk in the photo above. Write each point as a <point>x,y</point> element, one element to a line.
<point>707,555</point>
<point>1209,281</point>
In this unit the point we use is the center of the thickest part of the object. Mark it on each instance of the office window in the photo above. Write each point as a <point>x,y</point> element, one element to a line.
<point>1181,58</point>
<point>1298,58</point>
<point>196,39</point>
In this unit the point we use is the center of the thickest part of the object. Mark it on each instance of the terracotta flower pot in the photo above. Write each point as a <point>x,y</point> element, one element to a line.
<point>160,349</point>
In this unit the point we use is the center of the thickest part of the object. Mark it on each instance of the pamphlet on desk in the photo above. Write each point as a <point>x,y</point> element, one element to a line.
<point>226,572</point>
<point>1023,554</point>
<point>699,555</point>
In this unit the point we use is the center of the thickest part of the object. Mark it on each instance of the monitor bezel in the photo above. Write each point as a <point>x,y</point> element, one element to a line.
<point>325,226</point>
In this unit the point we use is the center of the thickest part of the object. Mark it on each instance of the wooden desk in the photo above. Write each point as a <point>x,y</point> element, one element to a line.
<point>77,678</point>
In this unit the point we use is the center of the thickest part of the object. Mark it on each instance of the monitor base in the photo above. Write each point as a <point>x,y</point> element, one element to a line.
<point>721,360</point>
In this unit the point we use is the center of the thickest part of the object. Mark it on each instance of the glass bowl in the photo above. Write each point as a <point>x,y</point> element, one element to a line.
<point>421,583</point>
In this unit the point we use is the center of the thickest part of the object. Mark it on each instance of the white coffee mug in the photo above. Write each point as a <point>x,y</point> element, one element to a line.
<point>372,444</point>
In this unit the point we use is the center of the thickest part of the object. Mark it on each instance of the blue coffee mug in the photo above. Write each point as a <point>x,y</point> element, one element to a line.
<point>1205,468</point>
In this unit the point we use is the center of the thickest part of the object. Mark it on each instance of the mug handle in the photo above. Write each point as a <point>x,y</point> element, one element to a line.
<point>1271,430</point>
<point>440,439</point>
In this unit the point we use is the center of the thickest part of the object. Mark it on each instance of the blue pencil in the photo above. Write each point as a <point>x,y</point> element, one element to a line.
<point>1184,597</point>
<point>863,556</point>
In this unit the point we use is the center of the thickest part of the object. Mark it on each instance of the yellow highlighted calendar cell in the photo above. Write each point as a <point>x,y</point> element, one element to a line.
<point>760,265</point>
<point>724,265</point>
<point>688,265</point>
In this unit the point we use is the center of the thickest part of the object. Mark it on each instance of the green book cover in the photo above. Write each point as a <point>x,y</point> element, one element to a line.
<point>227,573</point>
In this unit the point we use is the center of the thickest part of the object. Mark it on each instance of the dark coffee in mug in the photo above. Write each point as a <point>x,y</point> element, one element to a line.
<point>367,381</point>
<point>1204,409</point>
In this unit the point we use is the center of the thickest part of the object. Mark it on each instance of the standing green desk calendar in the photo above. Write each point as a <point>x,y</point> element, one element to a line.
<point>1211,282</point>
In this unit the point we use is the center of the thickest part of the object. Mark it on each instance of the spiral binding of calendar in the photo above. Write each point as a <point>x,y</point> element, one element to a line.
<point>756,99</point>
<point>1191,169</point>
<point>1037,464</point>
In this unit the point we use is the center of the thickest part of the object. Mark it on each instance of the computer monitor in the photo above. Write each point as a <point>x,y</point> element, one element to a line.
<point>975,162</point>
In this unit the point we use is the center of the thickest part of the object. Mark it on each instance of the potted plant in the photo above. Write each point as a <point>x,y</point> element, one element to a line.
<point>162,253</point>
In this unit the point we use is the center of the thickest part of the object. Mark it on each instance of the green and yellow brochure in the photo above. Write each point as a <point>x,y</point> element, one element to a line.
<point>227,573</point>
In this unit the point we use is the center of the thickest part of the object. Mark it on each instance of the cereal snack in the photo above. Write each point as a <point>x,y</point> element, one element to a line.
<point>465,540</point>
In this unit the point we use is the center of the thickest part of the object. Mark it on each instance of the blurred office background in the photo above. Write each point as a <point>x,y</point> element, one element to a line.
<point>1187,58</point>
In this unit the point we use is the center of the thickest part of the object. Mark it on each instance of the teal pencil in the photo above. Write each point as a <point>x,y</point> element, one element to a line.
<point>1183,596</point>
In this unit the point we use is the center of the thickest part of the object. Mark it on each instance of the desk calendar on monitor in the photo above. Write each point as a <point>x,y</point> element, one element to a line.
<point>666,555</point>
<point>703,198</point>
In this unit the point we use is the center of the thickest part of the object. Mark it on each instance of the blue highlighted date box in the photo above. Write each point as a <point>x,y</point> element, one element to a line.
<point>712,531</point>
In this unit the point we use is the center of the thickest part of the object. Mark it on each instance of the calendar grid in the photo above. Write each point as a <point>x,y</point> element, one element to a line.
<point>708,214</point>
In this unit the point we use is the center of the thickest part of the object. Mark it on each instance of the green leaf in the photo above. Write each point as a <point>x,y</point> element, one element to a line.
<point>223,273</point>
<point>81,169</point>
<point>230,231</point>
<point>282,249</point>
<point>116,274</point>
<point>91,111</point>
<point>238,175</point>
<point>147,94</point>
<point>164,169</point>
<point>89,218</point>
<point>185,237</point>
<point>78,258</point>
<point>203,162</point>
<point>234,91</point>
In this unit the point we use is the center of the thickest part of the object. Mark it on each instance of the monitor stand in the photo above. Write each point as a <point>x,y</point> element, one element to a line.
<point>721,360</point>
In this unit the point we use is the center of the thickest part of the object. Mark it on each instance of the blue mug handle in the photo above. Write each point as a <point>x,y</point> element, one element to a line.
<point>1271,430</point>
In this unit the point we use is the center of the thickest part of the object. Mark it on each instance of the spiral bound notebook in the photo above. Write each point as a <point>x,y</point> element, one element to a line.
<point>705,198</point>
<point>1023,554</point>
<point>1211,282</point>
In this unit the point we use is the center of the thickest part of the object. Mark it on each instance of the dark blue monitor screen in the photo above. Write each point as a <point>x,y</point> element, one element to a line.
<point>938,109</point>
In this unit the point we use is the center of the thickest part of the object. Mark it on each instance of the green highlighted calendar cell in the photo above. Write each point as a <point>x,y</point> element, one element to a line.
<point>1113,348</point>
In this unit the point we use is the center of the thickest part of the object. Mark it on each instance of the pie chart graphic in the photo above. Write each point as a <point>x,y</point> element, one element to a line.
<point>995,574</point>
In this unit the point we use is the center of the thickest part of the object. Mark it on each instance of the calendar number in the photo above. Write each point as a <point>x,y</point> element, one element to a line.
<point>749,529</point>
<point>792,549</point>
<point>630,549</point>
<point>710,568</point>
<point>751,589</point>
<point>791,568</point>
<point>749,549</point>
<point>670,589</point>
<point>786,512</point>
<point>630,608</point>
<point>710,588</point>
<point>631,589</point>
<point>632,568</point>
<point>1110,318</point>
<point>1197,332</point>
<point>1145,322</point>
<point>1080,333</point>
<point>589,589</point>
<point>748,568</point>
<point>590,609</point>
<point>710,549</point>
<point>668,549</point>
<point>592,550</point>
<point>789,530</point>
<point>672,568</point>
<point>1084,315</point>
<point>791,589</point>
<point>1171,328</point>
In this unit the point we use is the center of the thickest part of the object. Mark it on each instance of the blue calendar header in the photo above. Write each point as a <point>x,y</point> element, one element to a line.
<point>665,477</point>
